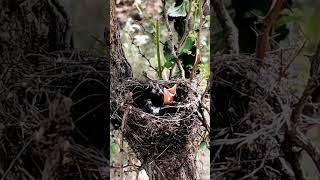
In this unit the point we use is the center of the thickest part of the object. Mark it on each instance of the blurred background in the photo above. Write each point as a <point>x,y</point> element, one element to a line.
<point>88,18</point>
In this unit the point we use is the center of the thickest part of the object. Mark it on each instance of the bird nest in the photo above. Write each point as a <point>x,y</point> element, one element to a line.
<point>250,106</point>
<point>165,136</point>
<point>43,97</point>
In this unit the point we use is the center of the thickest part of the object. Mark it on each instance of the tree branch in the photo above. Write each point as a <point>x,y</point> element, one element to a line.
<point>228,27</point>
<point>268,21</point>
<point>198,51</point>
<point>312,84</point>
<point>302,141</point>
<point>294,133</point>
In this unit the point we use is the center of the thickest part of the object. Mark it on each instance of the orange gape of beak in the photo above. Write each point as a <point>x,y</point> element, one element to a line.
<point>169,94</point>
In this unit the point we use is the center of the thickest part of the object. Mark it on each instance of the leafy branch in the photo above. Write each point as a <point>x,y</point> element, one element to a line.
<point>173,52</point>
<point>198,51</point>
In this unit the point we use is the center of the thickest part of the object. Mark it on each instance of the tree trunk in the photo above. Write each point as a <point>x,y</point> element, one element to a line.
<point>120,68</point>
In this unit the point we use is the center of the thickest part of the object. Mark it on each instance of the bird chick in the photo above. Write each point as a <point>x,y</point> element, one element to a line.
<point>168,95</point>
<point>150,108</point>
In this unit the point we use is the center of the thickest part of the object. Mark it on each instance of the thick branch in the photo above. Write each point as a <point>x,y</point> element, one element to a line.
<point>295,135</point>
<point>269,20</point>
<point>228,26</point>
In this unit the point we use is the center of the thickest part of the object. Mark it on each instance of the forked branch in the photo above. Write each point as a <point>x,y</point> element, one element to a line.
<point>269,20</point>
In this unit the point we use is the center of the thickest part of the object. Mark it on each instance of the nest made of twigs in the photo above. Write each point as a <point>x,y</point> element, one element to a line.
<point>250,105</point>
<point>169,135</point>
<point>49,104</point>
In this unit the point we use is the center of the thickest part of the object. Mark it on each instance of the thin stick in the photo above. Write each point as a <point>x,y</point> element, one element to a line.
<point>124,122</point>
<point>159,70</point>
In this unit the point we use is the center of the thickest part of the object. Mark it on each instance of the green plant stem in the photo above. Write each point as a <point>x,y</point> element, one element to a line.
<point>158,49</point>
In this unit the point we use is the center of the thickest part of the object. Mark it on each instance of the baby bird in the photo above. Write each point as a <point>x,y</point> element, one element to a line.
<point>150,108</point>
<point>168,95</point>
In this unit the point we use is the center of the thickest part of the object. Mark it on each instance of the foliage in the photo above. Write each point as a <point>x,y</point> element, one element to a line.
<point>145,35</point>
<point>180,10</point>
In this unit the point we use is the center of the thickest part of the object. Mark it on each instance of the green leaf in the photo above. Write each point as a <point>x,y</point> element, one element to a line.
<point>208,18</point>
<point>205,69</point>
<point>167,54</point>
<point>114,150</point>
<point>178,11</point>
<point>188,44</point>
<point>203,145</point>
<point>168,64</point>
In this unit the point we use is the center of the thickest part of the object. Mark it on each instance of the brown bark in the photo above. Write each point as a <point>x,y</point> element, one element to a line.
<point>268,22</point>
<point>119,63</point>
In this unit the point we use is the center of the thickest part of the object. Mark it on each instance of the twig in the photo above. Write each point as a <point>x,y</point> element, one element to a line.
<point>186,26</point>
<point>219,150</point>
<point>294,57</point>
<point>124,122</point>
<point>257,169</point>
<point>162,152</point>
<point>141,54</point>
<point>203,119</point>
<point>297,111</point>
